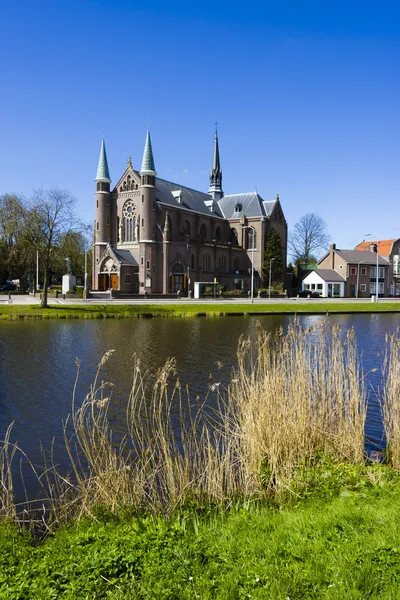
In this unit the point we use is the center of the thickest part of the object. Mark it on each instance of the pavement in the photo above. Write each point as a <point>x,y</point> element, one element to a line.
<point>29,300</point>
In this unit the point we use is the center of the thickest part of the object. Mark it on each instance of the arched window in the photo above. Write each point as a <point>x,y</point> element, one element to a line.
<point>234,237</point>
<point>218,235</point>
<point>222,264</point>
<point>206,262</point>
<point>128,182</point>
<point>129,222</point>
<point>186,228</point>
<point>203,232</point>
<point>250,234</point>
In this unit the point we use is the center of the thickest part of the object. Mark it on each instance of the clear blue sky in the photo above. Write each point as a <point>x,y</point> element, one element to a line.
<point>307,95</point>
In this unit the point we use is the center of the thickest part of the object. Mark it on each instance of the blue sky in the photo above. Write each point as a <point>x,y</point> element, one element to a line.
<point>307,97</point>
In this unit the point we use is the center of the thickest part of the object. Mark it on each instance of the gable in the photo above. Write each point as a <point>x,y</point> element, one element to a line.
<point>130,180</point>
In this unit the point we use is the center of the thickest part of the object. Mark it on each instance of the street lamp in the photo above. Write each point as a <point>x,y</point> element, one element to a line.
<point>87,230</point>
<point>269,287</point>
<point>252,260</point>
<point>377,267</point>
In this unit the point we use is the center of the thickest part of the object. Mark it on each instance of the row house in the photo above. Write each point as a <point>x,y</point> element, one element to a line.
<point>350,273</point>
<point>389,249</point>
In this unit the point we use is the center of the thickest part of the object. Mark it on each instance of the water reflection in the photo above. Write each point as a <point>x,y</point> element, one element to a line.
<point>37,363</point>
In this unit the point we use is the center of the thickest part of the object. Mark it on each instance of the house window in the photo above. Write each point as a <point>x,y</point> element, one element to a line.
<point>381,287</point>
<point>381,272</point>
<point>306,286</point>
<point>363,287</point>
<point>396,268</point>
<point>353,271</point>
<point>363,271</point>
<point>127,278</point>
<point>319,287</point>
<point>372,273</point>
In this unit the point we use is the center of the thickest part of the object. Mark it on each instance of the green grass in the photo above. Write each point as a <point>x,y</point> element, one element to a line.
<point>98,311</point>
<point>342,543</point>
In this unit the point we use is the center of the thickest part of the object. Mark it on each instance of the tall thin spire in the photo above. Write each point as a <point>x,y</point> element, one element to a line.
<point>148,166</point>
<point>103,174</point>
<point>216,171</point>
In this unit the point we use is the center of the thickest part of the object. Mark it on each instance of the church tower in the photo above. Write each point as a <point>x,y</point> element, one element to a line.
<point>147,266</point>
<point>215,190</point>
<point>102,231</point>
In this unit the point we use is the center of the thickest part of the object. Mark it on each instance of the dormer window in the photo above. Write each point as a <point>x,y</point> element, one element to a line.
<point>238,207</point>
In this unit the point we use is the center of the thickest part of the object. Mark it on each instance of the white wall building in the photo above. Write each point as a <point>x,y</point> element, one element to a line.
<point>326,282</point>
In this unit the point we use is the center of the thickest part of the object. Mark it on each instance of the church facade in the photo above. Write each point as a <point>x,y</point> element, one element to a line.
<point>156,237</point>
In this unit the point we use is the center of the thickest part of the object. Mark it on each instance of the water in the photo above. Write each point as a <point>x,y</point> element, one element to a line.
<point>37,364</point>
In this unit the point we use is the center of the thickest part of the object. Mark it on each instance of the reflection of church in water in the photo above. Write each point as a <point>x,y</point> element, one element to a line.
<point>157,237</point>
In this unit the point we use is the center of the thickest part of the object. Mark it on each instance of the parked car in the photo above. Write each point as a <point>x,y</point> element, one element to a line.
<point>9,286</point>
<point>308,294</point>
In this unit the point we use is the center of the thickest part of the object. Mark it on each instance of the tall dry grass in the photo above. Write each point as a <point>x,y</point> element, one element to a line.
<point>292,396</point>
<point>391,398</point>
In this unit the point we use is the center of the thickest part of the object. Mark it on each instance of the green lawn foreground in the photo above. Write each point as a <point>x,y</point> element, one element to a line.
<point>98,311</point>
<point>337,548</point>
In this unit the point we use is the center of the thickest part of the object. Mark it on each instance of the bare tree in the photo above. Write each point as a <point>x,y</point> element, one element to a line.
<point>308,237</point>
<point>47,220</point>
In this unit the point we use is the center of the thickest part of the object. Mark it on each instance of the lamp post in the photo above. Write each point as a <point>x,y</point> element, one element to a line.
<point>270,275</point>
<point>377,267</point>
<point>252,261</point>
<point>87,230</point>
<point>37,270</point>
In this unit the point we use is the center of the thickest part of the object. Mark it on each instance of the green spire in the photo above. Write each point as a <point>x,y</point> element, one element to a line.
<point>148,166</point>
<point>103,173</point>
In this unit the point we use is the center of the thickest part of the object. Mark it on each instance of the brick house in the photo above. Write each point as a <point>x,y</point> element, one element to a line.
<point>389,249</point>
<point>357,271</point>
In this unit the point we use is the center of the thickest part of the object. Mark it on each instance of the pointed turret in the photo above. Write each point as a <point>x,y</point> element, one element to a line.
<point>103,174</point>
<point>216,173</point>
<point>148,166</point>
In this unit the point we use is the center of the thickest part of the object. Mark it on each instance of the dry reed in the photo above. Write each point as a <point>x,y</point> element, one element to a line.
<point>391,399</point>
<point>292,396</point>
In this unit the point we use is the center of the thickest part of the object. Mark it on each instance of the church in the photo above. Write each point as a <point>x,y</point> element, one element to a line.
<point>155,237</point>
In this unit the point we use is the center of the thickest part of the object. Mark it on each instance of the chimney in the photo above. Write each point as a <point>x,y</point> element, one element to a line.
<point>332,249</point>
<point>373,247</point>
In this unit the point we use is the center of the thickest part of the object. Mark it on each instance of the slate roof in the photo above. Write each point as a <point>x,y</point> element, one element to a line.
<point>148,165</point>
<point>329,275</point>
<point>252,205</point>
<point>356,256</point>
<point>103,174</point>
<point>384,246</point>
<point>125,257</point>
<point>190,199</point>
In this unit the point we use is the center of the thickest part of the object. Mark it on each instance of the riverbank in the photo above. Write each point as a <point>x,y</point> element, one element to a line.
<point>218,309</point>
<point>342,543</point>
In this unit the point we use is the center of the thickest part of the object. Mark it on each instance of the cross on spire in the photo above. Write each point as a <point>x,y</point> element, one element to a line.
<point>148,124</point>
<point>216,127</point>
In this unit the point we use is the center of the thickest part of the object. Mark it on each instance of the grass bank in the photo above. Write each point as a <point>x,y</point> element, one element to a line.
<point>344,546</point>
<point>105,311</point>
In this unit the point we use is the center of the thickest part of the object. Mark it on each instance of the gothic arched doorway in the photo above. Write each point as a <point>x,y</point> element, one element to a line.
<point>178,278</point>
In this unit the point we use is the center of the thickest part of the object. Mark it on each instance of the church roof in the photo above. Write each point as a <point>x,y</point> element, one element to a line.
<point>251,204</point>
<point>168,193</point>
<point>103,173</point>
<point>148,166</point>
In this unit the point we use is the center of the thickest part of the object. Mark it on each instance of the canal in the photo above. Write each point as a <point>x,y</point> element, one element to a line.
<point>38,364</point>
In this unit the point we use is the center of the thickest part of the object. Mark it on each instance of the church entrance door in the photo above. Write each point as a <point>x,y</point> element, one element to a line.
<point>114,281</point>
<point>178,278</point>
<point>103,283</point>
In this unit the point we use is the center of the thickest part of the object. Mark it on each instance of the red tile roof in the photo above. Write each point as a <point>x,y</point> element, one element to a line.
<point>384,246</point>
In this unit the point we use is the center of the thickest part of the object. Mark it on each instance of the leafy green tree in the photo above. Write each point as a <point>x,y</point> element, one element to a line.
<point>273,250</point>
<point>16,256</point>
